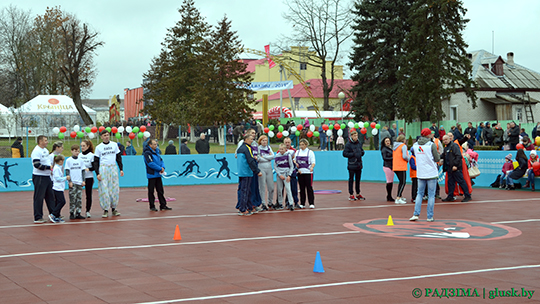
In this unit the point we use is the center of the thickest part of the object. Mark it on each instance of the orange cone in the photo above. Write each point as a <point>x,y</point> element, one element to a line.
<point>177,236</point>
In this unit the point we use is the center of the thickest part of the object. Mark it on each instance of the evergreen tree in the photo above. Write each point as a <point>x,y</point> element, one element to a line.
<point>436,64</point>
<point>380,28</point>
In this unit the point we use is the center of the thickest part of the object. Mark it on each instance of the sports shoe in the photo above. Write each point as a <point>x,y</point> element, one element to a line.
<point>71,216</point>
<point>360,197</point>
<point>301,206</point>
<point>88,215</point>
<point>466,199</point>
<point>352,198</point>
<point>414,218</point>
<point>311,206</point>
<point>164,208</point>
<point>115,213</point>
<point>448,199</point>
<point>278,207</point>
<point>40,221</point>
<point>52,218</point>
<point>425,198</point>
<point>291,207</point>
<point>153,209</point>
<point>400,201</point>
<point>430,220</point>
<point>437,196</point>
<point>105,213</point>
<point>79,217</point>
<point>264,207</point>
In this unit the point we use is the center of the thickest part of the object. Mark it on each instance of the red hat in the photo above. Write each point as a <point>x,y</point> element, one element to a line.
<point>425,132</point>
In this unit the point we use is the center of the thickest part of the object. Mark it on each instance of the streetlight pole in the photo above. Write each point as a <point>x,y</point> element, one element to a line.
<point>341,96</point>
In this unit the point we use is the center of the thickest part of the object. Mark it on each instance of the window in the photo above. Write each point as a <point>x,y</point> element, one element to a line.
<point>297,103</point>
<point>519,114</point>
<point>303,66</point>
<point>453,113</point>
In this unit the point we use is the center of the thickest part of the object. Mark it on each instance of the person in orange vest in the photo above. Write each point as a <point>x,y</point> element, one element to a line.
<point>400,158</point>
<point>412,174</point>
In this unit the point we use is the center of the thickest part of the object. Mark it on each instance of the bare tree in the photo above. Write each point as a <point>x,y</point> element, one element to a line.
<point>323,27</point>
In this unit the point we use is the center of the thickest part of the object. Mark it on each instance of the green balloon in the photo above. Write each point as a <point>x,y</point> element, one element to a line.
<point>118,135</point>
<point>356,126</point>
<point>280,128</point>
<point>140,135</point>
<point>271,127</point>
<point>108,129</point>
<point>366,124</point>
<point>80,134</point>
<point>377,126</point>
<point>331,126</point>
<point>135,129</point>
<point>61,135</point>
<point>88,129</point>
<point>343,126</point>
<point>297,133</point>
<point>316,134</point>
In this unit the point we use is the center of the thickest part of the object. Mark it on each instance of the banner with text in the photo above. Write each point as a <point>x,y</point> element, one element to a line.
<point>271,85</point>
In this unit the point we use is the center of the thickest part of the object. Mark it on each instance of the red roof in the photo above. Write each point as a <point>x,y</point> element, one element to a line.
<point>315,85</point>
<point>251,63</point>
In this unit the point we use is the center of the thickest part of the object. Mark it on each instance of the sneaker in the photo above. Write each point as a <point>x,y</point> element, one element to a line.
<point>71,216</point>
<point>466,199</point>
<point>164,208</point>
<point>153,209</point>
<point>241,213</point>
<point>414,218</point>
<point>115,213</point>
<point>352,198</point>
<point>301,206</point>
<point>88,215</point>
<point>403,200</point>
<point>360,197</point>
<point>79,217</point>
<point>105,213</point>
<point>311,206</point>
<point>278,207</point>
<point>264,207</point>
<point>437,196</point>
<point>430,220</point>
<point>52,218</point>
<point>296,206</point>
<point>259,209</point>
<point>448,199</point>
<point>400,201</point>
<point>425,198</point>
<point>60,220</point>
<point>40,221</point>
<point>291,208</point>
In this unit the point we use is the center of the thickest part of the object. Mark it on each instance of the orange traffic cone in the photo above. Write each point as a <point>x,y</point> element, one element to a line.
<point>390,221</point>
<point>177,236</point>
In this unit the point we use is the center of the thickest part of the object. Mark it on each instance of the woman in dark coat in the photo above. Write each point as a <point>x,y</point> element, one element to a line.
<point>354,152</point>
<point>518,172</point>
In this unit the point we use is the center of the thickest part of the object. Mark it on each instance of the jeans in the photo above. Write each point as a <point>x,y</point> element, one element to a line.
<point>431,185</point>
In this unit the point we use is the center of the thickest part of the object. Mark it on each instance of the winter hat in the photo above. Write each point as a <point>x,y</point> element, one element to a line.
<point>171,142</point>
<point>533,152</point>
<point>425,132</point>
<point>508,157</point>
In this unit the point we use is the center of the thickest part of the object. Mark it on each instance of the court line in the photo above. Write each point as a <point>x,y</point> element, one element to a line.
<point>176,244</point>
<point>266,212</point>
<point>259,292</point>
<point>519,221</point>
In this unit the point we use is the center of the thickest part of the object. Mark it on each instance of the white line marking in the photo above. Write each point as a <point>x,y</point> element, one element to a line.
<point>518,221</point>
<point>175,244</point>
<point>266,212</point>
<point>342,284</point>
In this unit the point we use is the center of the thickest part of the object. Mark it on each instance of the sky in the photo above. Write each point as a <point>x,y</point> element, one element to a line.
<point>134,30</point>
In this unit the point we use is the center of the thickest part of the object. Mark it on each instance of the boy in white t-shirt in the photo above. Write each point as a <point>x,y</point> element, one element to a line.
<point>75,170</point>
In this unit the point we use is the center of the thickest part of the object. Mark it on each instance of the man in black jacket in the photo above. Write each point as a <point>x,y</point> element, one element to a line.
<point>202,146</point>
<point>354,152</point>
<point>472,132</point>
<point>184,149</point>
<point>513,136</point>
<point>451,160</point>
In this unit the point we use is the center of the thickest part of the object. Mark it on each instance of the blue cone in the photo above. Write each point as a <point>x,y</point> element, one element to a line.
<point>318,264</point>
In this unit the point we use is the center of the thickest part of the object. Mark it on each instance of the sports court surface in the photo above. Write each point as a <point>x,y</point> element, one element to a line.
<point>473,250</point>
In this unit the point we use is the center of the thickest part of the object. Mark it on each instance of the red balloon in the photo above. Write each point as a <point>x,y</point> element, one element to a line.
<point>299,127</point>
<point>520,146</point>
<point>114,129</point>
<point>94,129</point>
<point>63,129</point>
<point>363,131</point>
<point>142,128</point>
<point>266,130</point>
<point>73,134</point>
<point>373,125</point>
<point>536,166</point>
<point>337,126</point>
<point>132,135</point>
<point>101,128</point>
<point>325,127</point>
<point>309,134</point>
<point>279,135</point>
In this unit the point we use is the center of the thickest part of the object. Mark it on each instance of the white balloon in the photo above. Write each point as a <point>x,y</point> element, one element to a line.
<point>374,132</point>
<point>146,134</point>
<point>285,133</point>
<point>121,129</point>
<point>76,128</point>
<point>271,134</point>
<point>351,124</point>
<point>312,128</point>
<point>328,132</point>
<point>91,135</point>
<point>340,132</point>
<point>56,130</point>
<point>129,129</point>
<point>293,129</point>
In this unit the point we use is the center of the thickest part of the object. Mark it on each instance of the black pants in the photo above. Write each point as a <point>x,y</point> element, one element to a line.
<point>42,190</point>
<point>60,202</point>
<point>354,176</point>
<point>305,181</point>
<point>156,183</point>
<point>402,176</point>
<point>457,177</point>
<point>88,190</point>
<point>414,190</point>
